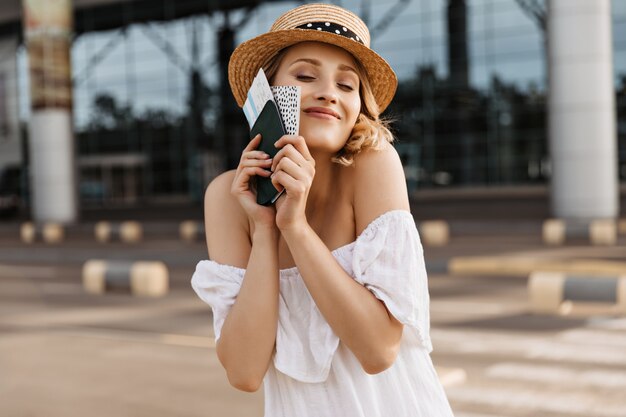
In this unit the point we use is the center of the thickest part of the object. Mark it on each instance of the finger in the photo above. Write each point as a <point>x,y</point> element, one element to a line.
<point>248,162</point>
<point>293,169</point>
<point>253,143</point>
<point>298,142</point>
<point>241,182</point>
<point>265,164</point>
<point>276,182</point>
<point>248,172</point>
<point>289,151</point>
<point>292,186</point>
<point>254,163</point>
<point>251,171</point>
<point>254,155</point>
<point>243,178</point>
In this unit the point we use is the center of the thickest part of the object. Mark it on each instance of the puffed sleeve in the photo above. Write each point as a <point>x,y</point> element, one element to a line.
<point>218,286</point>
<point>389,261</point>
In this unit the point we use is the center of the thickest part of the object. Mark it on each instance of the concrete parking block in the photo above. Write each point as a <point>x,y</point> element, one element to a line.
<point>434,232</point>
<point>556,292</point>
<point>127,231</point>
<point>191,231</point>
<point>48,232</point>
<point>603,232</point>
<point>553,232</point>
<point>522,266</point>
<point>141,278</point>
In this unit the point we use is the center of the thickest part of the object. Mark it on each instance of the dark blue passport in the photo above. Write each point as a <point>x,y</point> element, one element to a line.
<point>270,126</point>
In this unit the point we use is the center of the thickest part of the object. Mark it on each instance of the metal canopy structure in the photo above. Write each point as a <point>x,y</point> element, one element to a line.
<point>114,15</point>
<point>99,15</point>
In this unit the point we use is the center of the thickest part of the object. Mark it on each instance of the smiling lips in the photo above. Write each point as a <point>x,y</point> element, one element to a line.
<point>322,112</point>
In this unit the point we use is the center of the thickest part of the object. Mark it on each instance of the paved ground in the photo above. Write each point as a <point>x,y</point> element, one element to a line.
<point>66,353</point>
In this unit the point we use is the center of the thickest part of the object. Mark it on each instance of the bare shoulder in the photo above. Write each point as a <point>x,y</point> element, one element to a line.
<point>226,224</point>
<point>379,185</point>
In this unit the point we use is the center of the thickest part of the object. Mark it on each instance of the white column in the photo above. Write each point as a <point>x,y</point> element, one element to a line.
<point>52,166</point>
<point>47,29</point>
<point>581,106</point>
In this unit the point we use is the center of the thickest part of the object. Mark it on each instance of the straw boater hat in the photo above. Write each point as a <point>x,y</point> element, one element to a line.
<point>312,22</point>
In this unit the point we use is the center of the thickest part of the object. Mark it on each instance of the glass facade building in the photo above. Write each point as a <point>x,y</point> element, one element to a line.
<point>470,108</point>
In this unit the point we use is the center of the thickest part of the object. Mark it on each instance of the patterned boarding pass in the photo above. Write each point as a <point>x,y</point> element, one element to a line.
<point>287,98</point>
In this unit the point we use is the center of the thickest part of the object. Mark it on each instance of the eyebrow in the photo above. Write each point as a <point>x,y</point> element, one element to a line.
<point>318,63</point>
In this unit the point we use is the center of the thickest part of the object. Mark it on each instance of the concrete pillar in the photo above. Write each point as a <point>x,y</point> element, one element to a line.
<point>47,30</point>
<point>10,146</point>
<point>458,63</point>
<point>234,129</point>
<point>581,108</point>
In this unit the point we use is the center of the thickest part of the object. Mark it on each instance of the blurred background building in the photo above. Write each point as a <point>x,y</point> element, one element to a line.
<point>152,120</point>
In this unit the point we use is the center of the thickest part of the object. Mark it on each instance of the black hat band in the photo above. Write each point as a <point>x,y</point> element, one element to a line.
<point>332,28</point>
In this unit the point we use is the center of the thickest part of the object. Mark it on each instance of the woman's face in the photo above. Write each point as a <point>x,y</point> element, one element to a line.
<point>330,101</point>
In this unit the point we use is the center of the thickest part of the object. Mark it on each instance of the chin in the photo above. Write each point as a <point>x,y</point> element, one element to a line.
<point>324,144</point>
<point>326,140</point>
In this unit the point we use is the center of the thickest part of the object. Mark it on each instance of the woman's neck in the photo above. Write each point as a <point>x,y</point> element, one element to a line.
<point>324,183</point>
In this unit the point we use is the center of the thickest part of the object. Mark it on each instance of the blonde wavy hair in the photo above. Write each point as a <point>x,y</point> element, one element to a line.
<point>370,130</point>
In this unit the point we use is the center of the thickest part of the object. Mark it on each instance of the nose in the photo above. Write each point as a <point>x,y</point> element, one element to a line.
<point>327,91</point>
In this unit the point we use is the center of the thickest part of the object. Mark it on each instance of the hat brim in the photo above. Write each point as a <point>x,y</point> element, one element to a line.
<point>255,53</point>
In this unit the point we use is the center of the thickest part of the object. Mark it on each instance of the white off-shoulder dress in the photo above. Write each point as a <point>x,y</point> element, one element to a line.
<point>312,373</point>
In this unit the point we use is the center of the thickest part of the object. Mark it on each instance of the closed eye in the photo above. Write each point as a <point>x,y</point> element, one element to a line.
<point>346,87</point>
<point>305,77</point>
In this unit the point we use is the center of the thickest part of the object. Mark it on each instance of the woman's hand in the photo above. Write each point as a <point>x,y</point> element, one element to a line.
<point>293,169</point>
<point>253,162</point>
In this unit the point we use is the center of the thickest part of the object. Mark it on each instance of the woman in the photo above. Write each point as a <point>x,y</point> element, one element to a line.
<point>323,297</point>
